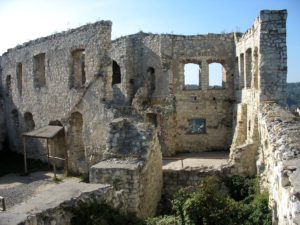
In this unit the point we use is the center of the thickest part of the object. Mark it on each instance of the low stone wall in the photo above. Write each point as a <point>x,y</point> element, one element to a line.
<point>173,180</point>
<point>55,205</point>
<point>61,215</point>
<point>279,162</point>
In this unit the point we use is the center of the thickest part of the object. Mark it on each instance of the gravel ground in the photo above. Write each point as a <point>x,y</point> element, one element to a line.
<point>209,160</point>
<point>16,189</point>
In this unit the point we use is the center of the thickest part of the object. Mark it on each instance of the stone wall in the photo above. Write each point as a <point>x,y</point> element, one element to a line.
<point>59,206</point>
<point>176,179</point>
<point>141,56</point>
<point>278,162</point>
<point>133,165</point>
<point>260,76</point>
<point>61,78</point>
<point>2,114</point>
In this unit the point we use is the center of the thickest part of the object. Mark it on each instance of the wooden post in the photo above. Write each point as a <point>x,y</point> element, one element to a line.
<point>54,160</point>
<point>48,154</point>
<point>66,152</point>
<point>25,158</point>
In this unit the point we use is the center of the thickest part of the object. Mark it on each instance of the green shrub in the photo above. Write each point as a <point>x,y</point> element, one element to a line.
<point>259,210</point>
<point>241,188</point>
<point>162,220</point>
<point>95,213</point>
<point>207,205</point>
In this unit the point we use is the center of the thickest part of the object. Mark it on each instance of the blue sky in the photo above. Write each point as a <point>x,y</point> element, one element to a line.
<point>23,20</point>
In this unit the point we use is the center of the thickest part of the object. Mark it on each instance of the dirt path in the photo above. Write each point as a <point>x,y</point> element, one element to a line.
<point>16,189</point>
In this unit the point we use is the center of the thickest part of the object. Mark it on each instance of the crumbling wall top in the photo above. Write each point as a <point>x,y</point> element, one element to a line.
<point>83,28</point>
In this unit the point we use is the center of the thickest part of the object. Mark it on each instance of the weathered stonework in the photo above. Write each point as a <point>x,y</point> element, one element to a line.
<point>133,164</point>
<point>59,204</point>
<point>279,162</point>
<point>124,103</point>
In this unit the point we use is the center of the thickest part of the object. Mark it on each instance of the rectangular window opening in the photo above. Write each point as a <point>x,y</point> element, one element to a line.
<point>192,76</point>
<point>39,70</point>
<point>77,77</point>
<point>19,71</point>
<point>217,76</point>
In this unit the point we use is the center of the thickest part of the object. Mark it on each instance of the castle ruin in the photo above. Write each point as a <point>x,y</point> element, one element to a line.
<point>124,104</point>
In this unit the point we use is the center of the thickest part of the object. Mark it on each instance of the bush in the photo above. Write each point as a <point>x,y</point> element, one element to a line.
<point>207,205</point>
<point>95,213</point>
<point>241,188</point>
<point>162,220</point>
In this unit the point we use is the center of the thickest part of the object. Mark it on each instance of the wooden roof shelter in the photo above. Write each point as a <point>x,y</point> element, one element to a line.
<point>49,133</point>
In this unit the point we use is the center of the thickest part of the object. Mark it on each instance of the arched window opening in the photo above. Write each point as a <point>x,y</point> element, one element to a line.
<point>116,76</point>
<point>217,75</point>
<point>29,122</point>
<point>77,77</point>
<point>151,78</point>
<point>76,154</point>
<point>59,143</point>
<point>19,72</point>
<point>192,76</point>
<point>248,70</point>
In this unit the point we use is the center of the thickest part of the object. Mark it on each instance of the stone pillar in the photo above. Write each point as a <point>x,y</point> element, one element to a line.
<point>204,75</point>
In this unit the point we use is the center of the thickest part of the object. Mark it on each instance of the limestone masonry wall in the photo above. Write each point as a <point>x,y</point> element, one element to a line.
<point>279,162</point>
<point>40,79</point>
<point>125,103</point>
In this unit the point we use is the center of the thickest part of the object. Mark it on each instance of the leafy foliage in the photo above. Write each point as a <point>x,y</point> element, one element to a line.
<point>207,205</point>
<point>95,213</point>
<point>241,188</point>
<point>162,220</point>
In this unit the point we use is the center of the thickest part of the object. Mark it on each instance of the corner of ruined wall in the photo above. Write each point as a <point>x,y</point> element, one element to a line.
<point>261,76</point>
<point>139,177</point>
<point>273,51</point>
<point>278,161</point>
<point>57,100</point>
